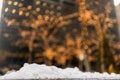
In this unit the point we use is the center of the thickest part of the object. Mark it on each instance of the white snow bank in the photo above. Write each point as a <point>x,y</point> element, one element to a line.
<point>35,71</point>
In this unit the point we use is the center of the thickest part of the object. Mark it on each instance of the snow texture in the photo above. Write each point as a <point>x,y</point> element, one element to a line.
<point>35,71</point>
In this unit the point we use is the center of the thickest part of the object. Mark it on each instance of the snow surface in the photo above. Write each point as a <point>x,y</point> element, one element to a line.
<point>35,71</point>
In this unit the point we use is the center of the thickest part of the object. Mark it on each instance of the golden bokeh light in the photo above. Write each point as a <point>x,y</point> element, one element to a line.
<point>44,4</point>
<point>39,16</point>
<point>60,18</point>
<point>38,9</point>
<point>9,2</point>
<point>38,2</point>
<point>27,14</point>
<point>20,5</point>
<point>46,18</point>
<point>29,7</point>
<point>6,9</point>
<point>15,3</point>
<point>20,13</point>
<point>13,11</point>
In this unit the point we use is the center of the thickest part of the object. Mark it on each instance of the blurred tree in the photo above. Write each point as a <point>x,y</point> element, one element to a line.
<point>102,21</point>
<point>109,62</point>
<point>84,34</point>
<point>53,38</point>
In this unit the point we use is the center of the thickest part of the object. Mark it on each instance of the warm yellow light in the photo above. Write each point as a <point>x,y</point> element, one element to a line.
<point>37,2</point>
<point>15,3</point>
<point>44,4</point>
<point>29,7</point>
<point>46,18</point>
<point>27,14</point>
<point>20,13</point>
<point>9,2</point>
<point>20,5</point>
<point>6,9</point>
<point>13,11</point>
<point>60,18</point>
<point>39,17</point>
<point>37,9</point>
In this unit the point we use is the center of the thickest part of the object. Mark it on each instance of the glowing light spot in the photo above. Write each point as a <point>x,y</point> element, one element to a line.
<point>46,18</point>
<point>20,13</point>
<point>37,2</point>
<point>39,16</point>
<point>9,2</point>
<point>20,5</point>
<point>27,14</point>
<point>44,4</point>
<point>6,9</point>
<point>37,9</point>
<point>15,3</point>
<point>13,11</point>
<point>29,7</point>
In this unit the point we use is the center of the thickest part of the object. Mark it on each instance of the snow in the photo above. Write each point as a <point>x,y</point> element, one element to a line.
<point>35,71</point>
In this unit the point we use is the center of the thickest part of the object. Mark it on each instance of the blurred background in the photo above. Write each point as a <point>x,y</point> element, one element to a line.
<point>64,33</point>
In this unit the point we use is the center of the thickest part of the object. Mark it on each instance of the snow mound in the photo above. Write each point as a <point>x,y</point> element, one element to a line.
<point>35,71</point>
